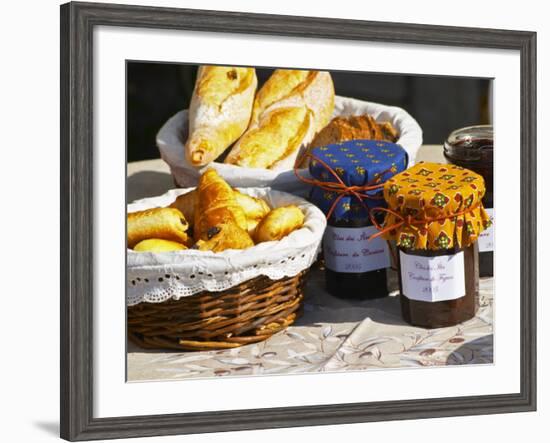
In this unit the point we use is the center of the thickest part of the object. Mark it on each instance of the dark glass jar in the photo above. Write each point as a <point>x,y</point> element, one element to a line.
<point>347,179</point>
<point>361,273</point>
<point>472,148</point>
<point>438,288</point>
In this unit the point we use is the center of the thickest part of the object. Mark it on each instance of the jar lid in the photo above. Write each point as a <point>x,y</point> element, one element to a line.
<point>473,143</point>
<point>435,206</point>
<point>354,163</point>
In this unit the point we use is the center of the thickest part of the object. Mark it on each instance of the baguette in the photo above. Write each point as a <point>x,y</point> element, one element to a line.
<point>288,111</point>
<point>219,112</point>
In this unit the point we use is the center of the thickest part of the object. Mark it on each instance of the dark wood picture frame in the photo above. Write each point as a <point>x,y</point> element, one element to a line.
<point>77,23</point>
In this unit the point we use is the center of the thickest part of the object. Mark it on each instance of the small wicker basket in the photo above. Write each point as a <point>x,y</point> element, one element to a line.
<point>247,313</point>
<point>198,300</point>
<point>174,133</point>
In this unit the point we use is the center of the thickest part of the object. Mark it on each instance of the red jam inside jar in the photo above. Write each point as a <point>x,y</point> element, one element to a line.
<point>472,148</point>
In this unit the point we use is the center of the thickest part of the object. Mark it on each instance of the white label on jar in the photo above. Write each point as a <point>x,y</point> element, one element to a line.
<point>349,250</point>
<point>486,240</point>
<point>433,279</point>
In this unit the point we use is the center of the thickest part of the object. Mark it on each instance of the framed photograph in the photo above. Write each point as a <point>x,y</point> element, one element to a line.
<point>272,221</point>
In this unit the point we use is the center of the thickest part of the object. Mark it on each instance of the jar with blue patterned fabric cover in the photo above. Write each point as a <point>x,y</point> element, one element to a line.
<point>348,182</point>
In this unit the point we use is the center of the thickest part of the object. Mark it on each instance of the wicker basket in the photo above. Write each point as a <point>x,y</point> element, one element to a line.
<point>247,313</point>
<point>199,300</point>
<point>174,133</point>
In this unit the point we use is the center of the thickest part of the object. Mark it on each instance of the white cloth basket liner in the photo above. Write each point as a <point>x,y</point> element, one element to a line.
<point>173,134</point>
<point>156,277</point>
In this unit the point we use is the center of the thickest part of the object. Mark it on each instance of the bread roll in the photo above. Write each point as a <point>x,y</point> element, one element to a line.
<point>160,223</point>
<point>279,223</point>
<point>219,112</point>
<point>288,110</point>
<point>158,245</point>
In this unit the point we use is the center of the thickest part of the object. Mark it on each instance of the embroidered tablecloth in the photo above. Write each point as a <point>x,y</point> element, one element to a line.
<point>332,334</point>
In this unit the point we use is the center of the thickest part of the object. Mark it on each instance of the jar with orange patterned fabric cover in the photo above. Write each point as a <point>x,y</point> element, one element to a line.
<point>435,215</point>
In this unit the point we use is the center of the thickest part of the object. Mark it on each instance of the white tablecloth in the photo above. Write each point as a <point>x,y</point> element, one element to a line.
<point>332,335</point>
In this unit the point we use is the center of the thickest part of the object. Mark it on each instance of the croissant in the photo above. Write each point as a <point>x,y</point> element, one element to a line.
<point>224,236</point>
<point>219,112</point>
<point>254,208</point>
<point>288,110</point>
<point>158,245</point>
<point>279,223</point>
<point>160,223</point>
<point>186,204</point>
<point>217,211</point>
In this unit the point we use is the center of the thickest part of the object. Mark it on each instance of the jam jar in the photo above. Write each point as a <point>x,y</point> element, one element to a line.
<point>472,148</point>
<point>435,215</point>
<point>357,274</point>
<point>348,180</point>
<point>433,305</point>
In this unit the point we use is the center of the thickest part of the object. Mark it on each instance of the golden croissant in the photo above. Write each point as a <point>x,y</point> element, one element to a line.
<point>217,214</point>
<point>279,223</point>
<point>186,204</point>
<point>224,236</point>
<point>254,208</point>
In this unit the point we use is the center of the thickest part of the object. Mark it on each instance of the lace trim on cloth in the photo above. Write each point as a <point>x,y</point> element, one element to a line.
<point>157,277</point>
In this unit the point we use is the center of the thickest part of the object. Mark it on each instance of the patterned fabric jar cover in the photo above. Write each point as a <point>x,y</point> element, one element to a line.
<point>432,190</point>
<point>357,163</point>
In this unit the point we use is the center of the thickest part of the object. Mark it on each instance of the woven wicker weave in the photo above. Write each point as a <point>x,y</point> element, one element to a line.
<point>247,313</point>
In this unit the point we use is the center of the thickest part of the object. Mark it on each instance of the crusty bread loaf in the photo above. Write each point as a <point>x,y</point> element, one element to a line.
<point>288,111</point>
<point>219,112</point>
<point>354,127</point>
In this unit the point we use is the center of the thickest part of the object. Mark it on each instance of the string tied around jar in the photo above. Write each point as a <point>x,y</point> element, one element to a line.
<point>360,192</point>
<point>409,220</point>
